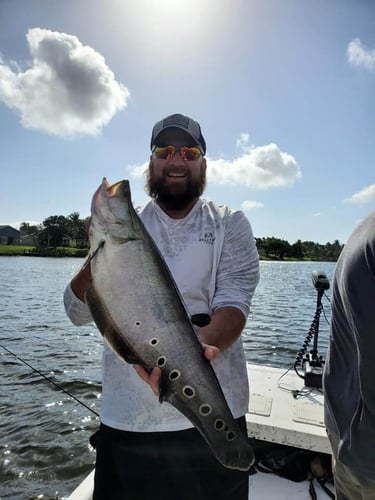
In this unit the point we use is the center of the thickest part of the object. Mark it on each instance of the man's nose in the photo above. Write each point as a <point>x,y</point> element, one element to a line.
<point>176,159</point>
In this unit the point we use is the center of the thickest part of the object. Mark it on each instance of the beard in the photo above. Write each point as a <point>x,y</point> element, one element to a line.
<point>174,197</point>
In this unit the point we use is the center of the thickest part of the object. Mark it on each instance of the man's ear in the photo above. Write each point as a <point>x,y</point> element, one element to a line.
<point>204,164</point>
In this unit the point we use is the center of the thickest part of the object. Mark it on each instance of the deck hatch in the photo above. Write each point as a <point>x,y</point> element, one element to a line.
<point>260,405</point>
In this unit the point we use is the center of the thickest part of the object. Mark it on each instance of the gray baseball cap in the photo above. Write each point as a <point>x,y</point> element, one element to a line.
<point>185,123</point>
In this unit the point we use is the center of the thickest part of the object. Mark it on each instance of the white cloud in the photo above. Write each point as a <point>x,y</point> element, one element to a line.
<point>137,171</point>
<point>366,195</point>
<point>67,90</point>
<point>249,205</point>
<point>259,167</point>
<point>243,141</point>
<point>359,55</point>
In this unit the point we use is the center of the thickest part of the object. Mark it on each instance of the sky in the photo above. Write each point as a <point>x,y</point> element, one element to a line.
<point>284,91</point>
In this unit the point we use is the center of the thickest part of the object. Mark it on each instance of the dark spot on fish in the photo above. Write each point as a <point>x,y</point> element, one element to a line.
<point>161,361</point>
<point>174,375</point>
<point>188,391</point>
<point>231,436</point>
<point>137,323</point>
<point>205,410</point>
<point>154,342</point>
<point>219,424</point>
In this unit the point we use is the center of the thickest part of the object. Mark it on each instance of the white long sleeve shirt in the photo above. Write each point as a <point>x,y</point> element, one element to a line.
<point>212,256</point>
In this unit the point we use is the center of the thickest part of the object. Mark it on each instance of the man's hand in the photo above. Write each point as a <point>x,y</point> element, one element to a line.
<point>211,352</point>
<point>153,379</point>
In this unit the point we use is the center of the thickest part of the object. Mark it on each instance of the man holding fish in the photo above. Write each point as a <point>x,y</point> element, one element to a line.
<point>170,290</point>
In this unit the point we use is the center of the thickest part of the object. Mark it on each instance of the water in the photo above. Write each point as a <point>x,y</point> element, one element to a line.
<point>44,450</point>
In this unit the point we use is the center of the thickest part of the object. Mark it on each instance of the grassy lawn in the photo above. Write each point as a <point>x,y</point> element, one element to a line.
<point>14,249</point>
<point>50,252</point>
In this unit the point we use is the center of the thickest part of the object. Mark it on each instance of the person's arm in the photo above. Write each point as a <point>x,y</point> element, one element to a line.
<point>224,328</point>
<point>74,296</point>
<point>81,280</point>
<point>237,276</point>
<point>236,279</point>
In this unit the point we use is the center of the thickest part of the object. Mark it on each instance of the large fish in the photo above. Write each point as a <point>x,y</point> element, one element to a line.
<point>137,307</point>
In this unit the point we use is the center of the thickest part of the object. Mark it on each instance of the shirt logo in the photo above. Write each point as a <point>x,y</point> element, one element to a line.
<point>207,238</point>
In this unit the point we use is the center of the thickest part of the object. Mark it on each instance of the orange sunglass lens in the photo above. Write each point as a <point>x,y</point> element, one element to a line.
<point>165,152</point>
<point>190,153</point>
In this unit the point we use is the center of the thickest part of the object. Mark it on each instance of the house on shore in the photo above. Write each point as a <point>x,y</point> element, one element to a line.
<point>9,235</point>
<point>29,239</point>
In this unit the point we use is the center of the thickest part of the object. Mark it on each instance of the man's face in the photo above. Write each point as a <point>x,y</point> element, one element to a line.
<point>175,182</point>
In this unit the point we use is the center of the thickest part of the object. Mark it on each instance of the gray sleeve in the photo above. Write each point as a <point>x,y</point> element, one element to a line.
<point>238,270</point>
<point>76,310</point>
<point>358,295</point>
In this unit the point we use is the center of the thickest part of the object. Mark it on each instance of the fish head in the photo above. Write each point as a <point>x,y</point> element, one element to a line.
<point>113,217</point>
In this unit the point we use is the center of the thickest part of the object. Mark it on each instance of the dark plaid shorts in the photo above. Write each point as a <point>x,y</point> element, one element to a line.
<point>175,465</point>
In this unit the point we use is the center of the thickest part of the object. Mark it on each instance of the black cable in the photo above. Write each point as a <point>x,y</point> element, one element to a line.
<point>312,331</point>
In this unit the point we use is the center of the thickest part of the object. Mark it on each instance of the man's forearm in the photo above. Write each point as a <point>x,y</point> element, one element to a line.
<point>225,327</point>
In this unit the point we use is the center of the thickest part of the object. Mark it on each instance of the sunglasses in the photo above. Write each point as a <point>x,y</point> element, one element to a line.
<point>187,153</point>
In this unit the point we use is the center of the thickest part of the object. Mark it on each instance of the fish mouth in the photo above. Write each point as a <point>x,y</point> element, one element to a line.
<point>112,190</point>
<point>105,191</point>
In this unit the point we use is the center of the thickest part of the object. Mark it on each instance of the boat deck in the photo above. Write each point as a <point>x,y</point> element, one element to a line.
<point>275,415</point>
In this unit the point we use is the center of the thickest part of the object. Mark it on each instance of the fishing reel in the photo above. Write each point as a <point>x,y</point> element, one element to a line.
<point>313,364</point>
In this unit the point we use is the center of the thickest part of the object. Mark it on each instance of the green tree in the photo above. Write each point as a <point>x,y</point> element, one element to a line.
<point>27,228</point>
<point>297,250</point>
<point>77,229</point>
<point>55,231</point>
<point>272,248</point>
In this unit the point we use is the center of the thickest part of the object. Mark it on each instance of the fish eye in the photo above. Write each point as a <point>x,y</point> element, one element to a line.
<point>118,239</point>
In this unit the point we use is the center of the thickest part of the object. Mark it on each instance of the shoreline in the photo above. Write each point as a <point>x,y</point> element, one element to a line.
<point>60,252</point>
<point>30,251</point>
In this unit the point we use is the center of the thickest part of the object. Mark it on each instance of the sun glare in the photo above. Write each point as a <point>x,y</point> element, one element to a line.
<point>165,27</point>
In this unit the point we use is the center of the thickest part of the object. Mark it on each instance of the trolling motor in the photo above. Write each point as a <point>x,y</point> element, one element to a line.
<point>312,364</point>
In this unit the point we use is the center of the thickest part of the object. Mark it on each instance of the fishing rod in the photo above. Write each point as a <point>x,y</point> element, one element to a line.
<point>49,380</point>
